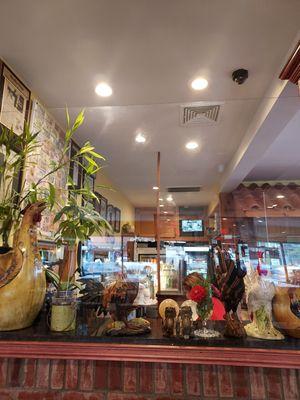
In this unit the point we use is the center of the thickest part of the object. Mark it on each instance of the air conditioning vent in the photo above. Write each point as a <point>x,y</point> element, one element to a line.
<point>184,189</point>
<point>199,113</point>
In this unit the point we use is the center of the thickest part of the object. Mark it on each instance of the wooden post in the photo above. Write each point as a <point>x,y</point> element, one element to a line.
<point>158,220</point>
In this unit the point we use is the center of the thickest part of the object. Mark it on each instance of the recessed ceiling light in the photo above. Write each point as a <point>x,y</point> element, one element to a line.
<point>160,199</point>
<point>280,196</point>
<point>199,84</point>
<point>155,188</point>
<point>165,212</point>
<point>224,219</point>
<point>161,205</point>
<point>170,198</point>
<point>140,138</point>
<point>103,90</point>
<point>192,145</point>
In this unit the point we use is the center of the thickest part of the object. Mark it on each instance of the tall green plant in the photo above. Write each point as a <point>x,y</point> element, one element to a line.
<point>17,154</point>
<point>78,222</point>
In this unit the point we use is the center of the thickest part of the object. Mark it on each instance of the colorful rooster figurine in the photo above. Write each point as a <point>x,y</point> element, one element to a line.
<point>231,284</point>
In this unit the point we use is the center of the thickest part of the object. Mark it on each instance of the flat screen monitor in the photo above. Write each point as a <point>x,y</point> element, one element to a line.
<point>191,227</point>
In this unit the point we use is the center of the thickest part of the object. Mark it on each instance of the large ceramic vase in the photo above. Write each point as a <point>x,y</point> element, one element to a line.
<point>22,277</point>
<point>282,312</point>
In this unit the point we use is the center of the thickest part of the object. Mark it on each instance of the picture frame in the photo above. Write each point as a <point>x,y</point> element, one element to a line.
<point>101,205</point>
<point>75,170</point>
<point>117,226</point>
<point>14,100</point>
<point>88,182</point>
<point>111,215</point>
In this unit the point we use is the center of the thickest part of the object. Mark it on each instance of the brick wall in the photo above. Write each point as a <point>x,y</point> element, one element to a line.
<point>98,380</point>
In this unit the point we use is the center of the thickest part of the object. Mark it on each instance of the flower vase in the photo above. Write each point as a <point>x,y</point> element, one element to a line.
<point>205,313</point>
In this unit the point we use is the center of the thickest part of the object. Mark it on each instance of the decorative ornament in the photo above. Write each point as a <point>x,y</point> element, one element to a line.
<point>260,293</point>
<point>231,284</point>
<point>201,293</point>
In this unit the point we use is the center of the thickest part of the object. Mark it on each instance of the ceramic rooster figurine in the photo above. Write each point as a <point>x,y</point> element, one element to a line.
<point>231,284</point>
<point>22,278</point>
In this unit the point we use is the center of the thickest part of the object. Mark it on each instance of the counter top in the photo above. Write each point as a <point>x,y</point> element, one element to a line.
<point>39,342</point>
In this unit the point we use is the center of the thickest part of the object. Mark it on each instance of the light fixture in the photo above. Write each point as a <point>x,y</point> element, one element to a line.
<point>191,145</point>
<point>169,198</point>
<point>165,212</point>
<point>161,205</point>
<point>273,206</point>
<point>260,220</point>
<point>103,89</point>
<point>155,188</point>
<point>160,199</point>
<point>224,219</point>
<point>199,84</point>
<point>280,196</point>
<point>140,138</point>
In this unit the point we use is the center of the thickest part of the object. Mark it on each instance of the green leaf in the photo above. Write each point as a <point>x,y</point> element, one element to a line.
<point>52,195</point>
<point>79,121</point>
<point>67,117</point>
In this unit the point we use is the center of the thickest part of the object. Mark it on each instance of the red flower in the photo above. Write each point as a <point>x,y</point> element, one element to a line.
<point>198,293</point>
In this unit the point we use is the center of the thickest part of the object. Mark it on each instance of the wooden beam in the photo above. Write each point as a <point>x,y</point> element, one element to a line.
<point>291,70</point>
<point>255,357</point>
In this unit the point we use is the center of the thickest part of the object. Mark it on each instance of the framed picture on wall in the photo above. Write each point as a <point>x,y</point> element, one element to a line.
<point>111,215</point>
<point>14,100</point>
<point>117,220</point>
<point>88,182</point>
<point>101,205</point>
<point>75,170</point>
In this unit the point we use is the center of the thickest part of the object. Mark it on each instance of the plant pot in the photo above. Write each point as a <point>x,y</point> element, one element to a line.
<point>63,314</point>
<point>63,294</point>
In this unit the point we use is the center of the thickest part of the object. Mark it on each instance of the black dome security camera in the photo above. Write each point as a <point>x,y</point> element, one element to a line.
<point>240,76</point>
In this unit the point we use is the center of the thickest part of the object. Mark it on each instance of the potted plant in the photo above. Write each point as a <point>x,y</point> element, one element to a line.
<point>77,221</point>
<point>21,206</point>
<point>63,307</point>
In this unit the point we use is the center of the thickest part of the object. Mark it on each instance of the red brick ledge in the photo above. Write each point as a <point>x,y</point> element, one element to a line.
<point>152,353</point>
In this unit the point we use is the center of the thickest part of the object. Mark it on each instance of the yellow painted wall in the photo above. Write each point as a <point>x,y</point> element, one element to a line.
<point>116,198</point>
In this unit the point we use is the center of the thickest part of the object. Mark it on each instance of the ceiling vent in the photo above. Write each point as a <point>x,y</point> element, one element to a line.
<point>184,189</point>
<point>199,113</point>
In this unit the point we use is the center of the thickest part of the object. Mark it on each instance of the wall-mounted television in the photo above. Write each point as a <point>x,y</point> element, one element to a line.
<point>191,227</point>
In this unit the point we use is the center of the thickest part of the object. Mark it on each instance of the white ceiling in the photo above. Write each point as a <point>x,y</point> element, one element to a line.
<point>282,159</point>
<point>149,50</point>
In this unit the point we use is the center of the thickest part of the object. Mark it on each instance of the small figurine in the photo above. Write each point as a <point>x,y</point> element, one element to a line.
<point>169,322</point>
<point>186,321</point>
